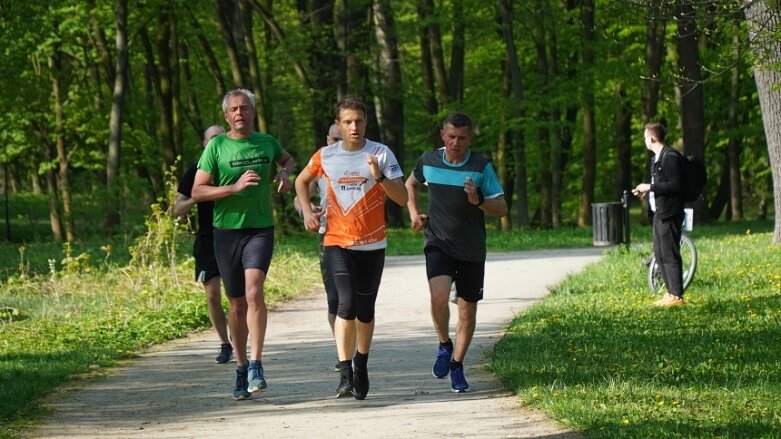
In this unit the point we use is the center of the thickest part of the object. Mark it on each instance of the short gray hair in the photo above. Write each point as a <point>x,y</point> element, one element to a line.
<point>238,92</point>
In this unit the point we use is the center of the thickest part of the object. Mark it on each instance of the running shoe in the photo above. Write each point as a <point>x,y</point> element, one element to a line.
<point>338,367</point>
<point>458,382</point>
<point>240,391</point>
<point>257,383</point>
<point>345,383</point>
<point>226,352</point>
<point>360,383</point>
<point>442,365</point>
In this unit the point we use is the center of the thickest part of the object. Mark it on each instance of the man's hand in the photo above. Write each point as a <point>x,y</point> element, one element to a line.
<point>418,222</point>
<point>312,220</point>
<point>283,180</point>
<point>374,166</point>
<point>471,191</point>
<point>641,190</point>
<point>248,178</point>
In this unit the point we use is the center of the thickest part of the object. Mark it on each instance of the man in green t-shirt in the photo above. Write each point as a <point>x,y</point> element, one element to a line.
<point>235,172</point>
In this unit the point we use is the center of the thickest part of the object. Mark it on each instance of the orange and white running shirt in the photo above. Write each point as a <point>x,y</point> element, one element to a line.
<point>356,202</point>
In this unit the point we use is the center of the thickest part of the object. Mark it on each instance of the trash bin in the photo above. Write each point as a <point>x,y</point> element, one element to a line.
<point>608,223</point>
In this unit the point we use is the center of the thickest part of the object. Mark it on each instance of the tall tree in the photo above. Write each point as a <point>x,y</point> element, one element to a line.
<point>514,135</point>
<point>764,19</point>
<point>389,97</point>
<point>692,98</point>
<point>429,91</point>
<point>63,179</point>
<point>457,49</point>
<point>117,107</point>
<point>589,122</point>
<point>656,23</point>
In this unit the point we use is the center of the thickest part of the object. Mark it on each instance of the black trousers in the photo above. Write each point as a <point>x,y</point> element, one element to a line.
<point>667,250</point>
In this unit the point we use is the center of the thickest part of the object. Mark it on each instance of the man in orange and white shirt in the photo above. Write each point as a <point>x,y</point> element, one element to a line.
<point>359,174</point>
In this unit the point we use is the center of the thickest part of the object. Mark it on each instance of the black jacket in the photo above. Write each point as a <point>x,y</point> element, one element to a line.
<point>667,183</point>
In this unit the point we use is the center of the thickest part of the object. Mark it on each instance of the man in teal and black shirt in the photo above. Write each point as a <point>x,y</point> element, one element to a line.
<point>462,189</point>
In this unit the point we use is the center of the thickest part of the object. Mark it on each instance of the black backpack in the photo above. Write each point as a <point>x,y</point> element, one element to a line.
<point>694,177</point>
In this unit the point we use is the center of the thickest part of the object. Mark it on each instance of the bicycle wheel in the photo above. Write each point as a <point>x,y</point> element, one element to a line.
<point>688,266</point>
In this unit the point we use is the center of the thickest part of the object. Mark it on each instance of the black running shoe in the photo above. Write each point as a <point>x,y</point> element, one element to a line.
<point>226,351</point>
<point>360,383</point>
<point>345,383</point>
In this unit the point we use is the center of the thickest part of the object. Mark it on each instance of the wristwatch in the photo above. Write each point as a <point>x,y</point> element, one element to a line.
<point>480,200</point>
<point>380,180</point>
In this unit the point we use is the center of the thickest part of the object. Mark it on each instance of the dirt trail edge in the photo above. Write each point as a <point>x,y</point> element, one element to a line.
<point>176,390</point>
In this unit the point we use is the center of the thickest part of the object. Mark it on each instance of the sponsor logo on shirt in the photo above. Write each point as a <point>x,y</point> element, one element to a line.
<point>351,181</point>
<point>238,162</point>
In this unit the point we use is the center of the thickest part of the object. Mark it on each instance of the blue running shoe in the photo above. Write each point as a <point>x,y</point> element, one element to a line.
<point>442,365</point>
<point>240,391</point>
<point>458,382</point>
<point>257,383</point>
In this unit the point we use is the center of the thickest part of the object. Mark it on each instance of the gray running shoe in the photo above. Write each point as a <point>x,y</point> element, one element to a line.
<point>257,382</point>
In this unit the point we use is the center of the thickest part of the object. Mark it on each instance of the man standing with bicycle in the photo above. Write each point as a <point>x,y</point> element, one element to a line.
<point>666,210</point>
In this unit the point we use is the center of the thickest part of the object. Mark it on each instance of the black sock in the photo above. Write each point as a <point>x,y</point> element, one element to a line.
<point>447,344</point>
<point>360,360</point>
<point>346,364</point>
<point>456,364</point>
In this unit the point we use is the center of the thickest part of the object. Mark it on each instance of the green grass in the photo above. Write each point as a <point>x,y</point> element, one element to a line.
<point>598,357</point>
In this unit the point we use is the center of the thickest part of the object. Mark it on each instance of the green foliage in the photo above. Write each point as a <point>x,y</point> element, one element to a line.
<point>597,356</point>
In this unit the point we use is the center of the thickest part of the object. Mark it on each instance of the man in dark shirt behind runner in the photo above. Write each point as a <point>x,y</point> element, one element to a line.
<point>206,270</point>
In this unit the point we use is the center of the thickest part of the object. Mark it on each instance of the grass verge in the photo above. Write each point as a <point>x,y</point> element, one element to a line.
<point>598,357</point>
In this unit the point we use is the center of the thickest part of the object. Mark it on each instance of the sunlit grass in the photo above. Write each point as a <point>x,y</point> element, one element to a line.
<point>597,356</point>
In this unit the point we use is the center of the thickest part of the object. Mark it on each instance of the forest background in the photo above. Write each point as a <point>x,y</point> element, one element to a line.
<point>99,99</point>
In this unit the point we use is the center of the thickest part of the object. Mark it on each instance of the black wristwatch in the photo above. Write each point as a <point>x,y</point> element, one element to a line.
<point>380,180</point>
<point>480,200</point>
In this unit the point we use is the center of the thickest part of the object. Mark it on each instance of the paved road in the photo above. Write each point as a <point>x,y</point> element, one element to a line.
<point>177,391</point>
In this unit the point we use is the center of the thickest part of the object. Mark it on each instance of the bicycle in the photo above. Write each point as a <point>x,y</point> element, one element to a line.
<point>688,260</point>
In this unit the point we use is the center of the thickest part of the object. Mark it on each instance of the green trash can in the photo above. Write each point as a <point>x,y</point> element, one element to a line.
<point>608,223</point>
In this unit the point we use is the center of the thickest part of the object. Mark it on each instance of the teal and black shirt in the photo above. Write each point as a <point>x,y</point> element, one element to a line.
<point>455,225</point>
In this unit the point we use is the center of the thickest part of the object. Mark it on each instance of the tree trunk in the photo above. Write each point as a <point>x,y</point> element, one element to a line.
<point>55,64</point>
<point>623,140</point>
<point>692,100</point>
<point>55,219</point>
<point>117,111</point>
<point>656,23</point>
<point>317,18</point>
<point>353,43</point>
<point>212,65</point>
<point>734,146</point>
<point>514,136</point>
<point>192,111</point>
<point>589,124</point>
<point>437,54</point>
<point>164,88</point>
<point>456,80</point>
<point>389,98</point>
<point>226,14</point>
<point>262,122</point>
<point>427,74</point>
<point>723,192</point>
<point>764,21</point>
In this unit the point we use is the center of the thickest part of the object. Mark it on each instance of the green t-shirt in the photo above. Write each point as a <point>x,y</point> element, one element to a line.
<point>226,160</point>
